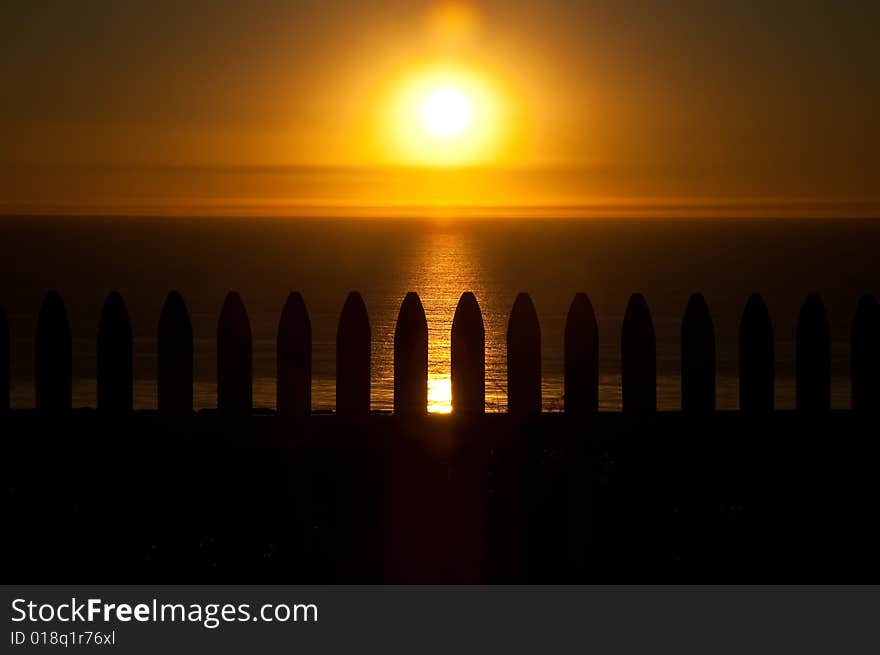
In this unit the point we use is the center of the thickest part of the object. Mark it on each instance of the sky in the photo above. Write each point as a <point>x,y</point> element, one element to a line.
<point>294,108</point>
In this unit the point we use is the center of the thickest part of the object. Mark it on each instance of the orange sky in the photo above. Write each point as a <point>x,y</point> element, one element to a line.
<point>610,108</point>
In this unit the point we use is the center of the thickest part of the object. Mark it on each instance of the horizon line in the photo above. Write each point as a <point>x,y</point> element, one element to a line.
<point>695,208</point>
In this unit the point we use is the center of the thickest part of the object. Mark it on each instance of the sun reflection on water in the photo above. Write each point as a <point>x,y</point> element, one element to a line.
<point>443,270</point>
<point>439,395</point>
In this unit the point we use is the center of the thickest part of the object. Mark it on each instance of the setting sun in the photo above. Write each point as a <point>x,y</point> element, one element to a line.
<point>443,116</point>
<point>446,112</point>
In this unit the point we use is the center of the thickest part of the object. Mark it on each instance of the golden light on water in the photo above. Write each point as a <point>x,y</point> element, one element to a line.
<point>439,394</point>
<point>440,277</point>
<point>447,266</point>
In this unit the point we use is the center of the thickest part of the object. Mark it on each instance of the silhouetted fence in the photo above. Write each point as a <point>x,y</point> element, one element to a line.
<point>632,497</point>
<point>468,367</point>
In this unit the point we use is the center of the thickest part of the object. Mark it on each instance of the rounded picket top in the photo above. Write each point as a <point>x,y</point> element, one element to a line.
<point>468,357</point>
<point>697,357</point>
<point>234,358</point>
<point>353,358</point>
<point>113,356</point>
<point>411,357</point>
<point>638,358</point>
<point>756,358</point>
<point>175,357</point>
<point>581,358</point>
<point>865,355</point>
<point>523,358</point>
<point>813,357</point>
<point>4,361</point>
<point>54,356</point>
<point>294,359</point>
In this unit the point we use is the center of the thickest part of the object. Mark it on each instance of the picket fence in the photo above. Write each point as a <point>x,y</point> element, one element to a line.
<point>53,361</point>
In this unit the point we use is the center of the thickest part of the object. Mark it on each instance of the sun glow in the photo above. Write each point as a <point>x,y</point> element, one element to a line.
<point>446,112</point>
<point>444,116</point>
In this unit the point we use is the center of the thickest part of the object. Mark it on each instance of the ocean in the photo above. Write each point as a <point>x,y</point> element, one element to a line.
<point>265,259</point>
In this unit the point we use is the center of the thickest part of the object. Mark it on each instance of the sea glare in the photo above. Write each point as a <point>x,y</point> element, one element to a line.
<point>265,259</point>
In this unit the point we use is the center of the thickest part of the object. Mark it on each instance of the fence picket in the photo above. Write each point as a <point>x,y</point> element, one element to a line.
<point>468,357</point>
<point>638,347</point>
<point>54,356</point>
<point>234,358</point>
<point>523,358</point>
<point>411,357</point>
<point>294,359</point>
<point>113,355</point>
<point>353,358</point>
<point>581,358</point>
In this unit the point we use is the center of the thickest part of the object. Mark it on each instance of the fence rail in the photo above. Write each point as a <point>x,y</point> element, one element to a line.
<point>53,358</point>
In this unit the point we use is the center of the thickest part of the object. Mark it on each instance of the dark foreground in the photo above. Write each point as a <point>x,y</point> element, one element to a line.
<point>787,498</point>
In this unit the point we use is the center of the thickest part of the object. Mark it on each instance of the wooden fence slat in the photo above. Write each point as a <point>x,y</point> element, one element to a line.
<point>756,357</point>
<point>175,357</point>
<point>581,358</point>
<point>113,356</point>
<point>813,357</point>
<point>468,357</point>
<point>697,357</point>
<point>294,359</point>
<point>523,358</point>
<point>234,358</point>
<point>5,374</point>
<point>54,356</point>
<point>865,355</point>
<point>353,358</point>
<point>638,348</point>
<point>411,357</point>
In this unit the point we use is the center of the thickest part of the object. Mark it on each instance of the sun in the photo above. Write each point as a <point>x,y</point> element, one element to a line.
<point>443,116</point>
<point>446,112</point>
